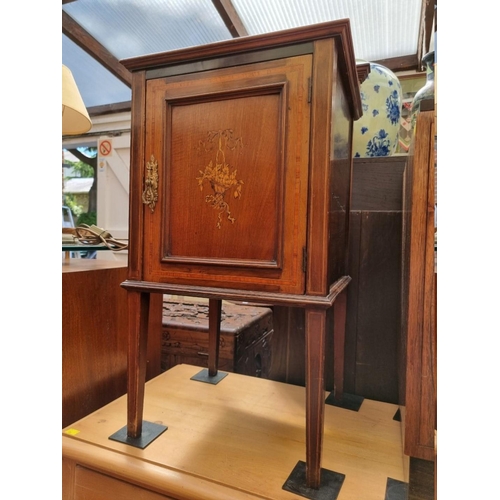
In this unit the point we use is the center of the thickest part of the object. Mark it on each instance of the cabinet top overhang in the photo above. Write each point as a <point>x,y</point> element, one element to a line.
<point>340,30</point>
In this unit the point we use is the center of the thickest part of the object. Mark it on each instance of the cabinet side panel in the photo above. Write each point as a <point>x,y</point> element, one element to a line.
<point>324,68</point>
<point>340,183</point>
<point>136,177</point>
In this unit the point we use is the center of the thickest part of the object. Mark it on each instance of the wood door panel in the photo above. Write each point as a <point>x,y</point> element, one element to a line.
<point>217,193</point>
<point>233,151</point>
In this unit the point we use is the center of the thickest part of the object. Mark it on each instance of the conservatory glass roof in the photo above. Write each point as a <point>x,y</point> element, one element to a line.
<point>382,30</point>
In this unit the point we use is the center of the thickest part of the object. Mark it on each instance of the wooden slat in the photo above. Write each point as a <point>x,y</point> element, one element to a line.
<point>231,18</point>
<point>402,63</point>
<point>427,15</point>
<point>90,45</point>
<point>430,6</point>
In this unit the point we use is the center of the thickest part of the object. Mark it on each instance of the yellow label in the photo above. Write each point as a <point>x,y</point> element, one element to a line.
<point>72,432</point>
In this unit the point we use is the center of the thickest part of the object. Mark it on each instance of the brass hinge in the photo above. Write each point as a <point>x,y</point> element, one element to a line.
<point>309,90</point>
<point>304,259</point>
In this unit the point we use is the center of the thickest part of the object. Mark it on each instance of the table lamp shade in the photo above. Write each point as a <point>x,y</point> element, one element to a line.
<point>75,118</point>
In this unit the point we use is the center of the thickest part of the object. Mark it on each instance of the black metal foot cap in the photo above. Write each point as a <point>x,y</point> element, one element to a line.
<point>347,401</point>
<point>150,431</point>
<point>329,487</point>
<point>396,490</point>
<point>203,376</point>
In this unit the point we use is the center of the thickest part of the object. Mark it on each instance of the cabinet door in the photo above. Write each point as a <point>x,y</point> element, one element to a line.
<point>231,149</point>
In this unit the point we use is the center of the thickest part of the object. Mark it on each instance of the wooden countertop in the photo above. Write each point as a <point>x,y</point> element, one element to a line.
<point>76,265</point>
<point>239,439</point>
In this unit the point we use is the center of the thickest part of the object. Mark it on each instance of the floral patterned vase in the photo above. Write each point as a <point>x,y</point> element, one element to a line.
<point>376,132</point>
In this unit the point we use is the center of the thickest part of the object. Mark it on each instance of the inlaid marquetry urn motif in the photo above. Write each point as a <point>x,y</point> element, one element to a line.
<point>219,174</point>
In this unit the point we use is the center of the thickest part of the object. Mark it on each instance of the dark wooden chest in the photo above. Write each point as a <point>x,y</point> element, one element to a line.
<point>245,341</point>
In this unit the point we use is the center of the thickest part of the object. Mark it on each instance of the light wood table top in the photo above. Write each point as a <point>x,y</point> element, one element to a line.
<point>238,439</point>
<point>78,265</point>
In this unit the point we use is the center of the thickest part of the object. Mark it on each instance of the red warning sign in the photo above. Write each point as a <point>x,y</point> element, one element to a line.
<point>105,148</point>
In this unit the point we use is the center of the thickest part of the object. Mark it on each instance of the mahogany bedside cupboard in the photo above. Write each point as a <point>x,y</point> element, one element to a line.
<point>240,189</point>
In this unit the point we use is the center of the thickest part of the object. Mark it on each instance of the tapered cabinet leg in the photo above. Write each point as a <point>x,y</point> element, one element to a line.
<point>137,432</point>
<point>138,307</point>
<point>212,375</point>
<point>315,327</point>
<point>339,322</point>
<point>338,397</point>
<point>214,318</point>
<point>309,479</point>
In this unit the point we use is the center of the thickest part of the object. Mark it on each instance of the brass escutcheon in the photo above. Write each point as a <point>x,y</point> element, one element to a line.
<point>150,193</point>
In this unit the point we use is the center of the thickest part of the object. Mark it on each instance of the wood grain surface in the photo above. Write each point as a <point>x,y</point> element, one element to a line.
<point>238,439</point>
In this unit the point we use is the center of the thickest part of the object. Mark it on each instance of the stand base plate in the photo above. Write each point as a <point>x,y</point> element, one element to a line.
<point>150,431</point>
<point>329,487</point>
<point>347,401</point>
<point>203,376</point>
<point>396,490</point>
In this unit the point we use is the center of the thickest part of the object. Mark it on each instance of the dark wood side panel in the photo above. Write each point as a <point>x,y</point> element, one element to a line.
<point>373,301</point>
<point>94,338</point>
<point>351,343</point>
<point>378,306</point>
<point>422,480</point>
<point>378,184</point>
<point>288,360</point>
<point>375,226</point>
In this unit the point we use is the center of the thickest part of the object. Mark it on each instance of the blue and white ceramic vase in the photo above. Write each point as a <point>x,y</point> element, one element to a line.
<point>376,133</point>
<point>427,91</point>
